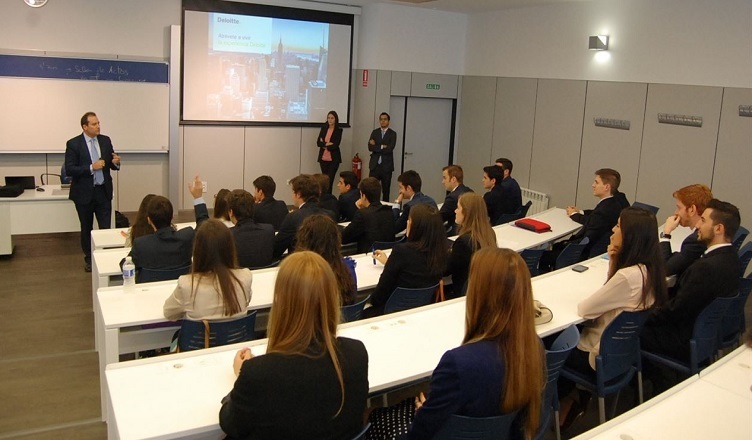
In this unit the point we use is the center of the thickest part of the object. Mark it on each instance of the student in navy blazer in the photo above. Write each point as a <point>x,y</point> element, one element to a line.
<point>90,196</point>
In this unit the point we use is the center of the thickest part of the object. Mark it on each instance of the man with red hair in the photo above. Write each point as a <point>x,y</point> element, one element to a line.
<point>691,201</point>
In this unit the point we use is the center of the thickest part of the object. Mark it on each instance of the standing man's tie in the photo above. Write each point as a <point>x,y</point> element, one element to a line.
<point>98,174</point>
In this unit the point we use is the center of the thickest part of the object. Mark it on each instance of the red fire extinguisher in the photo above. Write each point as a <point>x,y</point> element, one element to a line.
<point>357,166</point>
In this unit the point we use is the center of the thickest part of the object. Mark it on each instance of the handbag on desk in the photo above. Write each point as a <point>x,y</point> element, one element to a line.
<point>533,225</point>
<point>543,314</point>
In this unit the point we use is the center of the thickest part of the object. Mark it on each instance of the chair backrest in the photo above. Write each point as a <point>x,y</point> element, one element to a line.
<point>506,218</point>
<point>556,355</point>
<point>362,434</point>
<point>525,208</point>
<point>651,208</point>
<point>706,333</point>
<point>382,245</point>
<point>745,256</point>
<point>620,346</point>
<point>195,335</point>
<point>403,298</point>
<point>532,258</point>
<point>145,275</point>
<point>354,312</point>
<point>476,428</point>
<point>64,177</point>
<point>733,324</point>
<point>600,247</point>
<point>739,237</point>
<point>274,263</point>
<point>571,254</point>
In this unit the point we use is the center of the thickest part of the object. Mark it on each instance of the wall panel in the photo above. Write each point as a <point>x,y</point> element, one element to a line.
<point>475,127</point>
<point>282,166</point>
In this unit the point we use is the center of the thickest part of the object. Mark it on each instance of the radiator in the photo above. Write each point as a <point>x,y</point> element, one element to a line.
<point>540,200</point>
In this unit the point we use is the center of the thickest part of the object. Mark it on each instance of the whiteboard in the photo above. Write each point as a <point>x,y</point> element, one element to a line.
<point>40,115</point>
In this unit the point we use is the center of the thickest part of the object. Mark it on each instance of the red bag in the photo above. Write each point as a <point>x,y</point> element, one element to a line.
<point>533,225</point>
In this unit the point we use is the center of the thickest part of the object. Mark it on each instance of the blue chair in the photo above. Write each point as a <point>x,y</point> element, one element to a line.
<point>572,254</point>
<point>525,208</point>
<point>532,259</point>
<point>617,362</point>
<point>733,325</point>
<point>362,434</point>
<point>739,237</point>
<point>274,263</point>
<point>403,298</point>
<point>382,245</point>
<point>651,208</point>
<point>476,428</point>
<point>745,256</point>
<point>195,335</point>
<point>520,213</point>
<point>704,342</point>
<point>556,356</point>
<point>354,312</point>
<point>600,247</point>
<point>145,275</point>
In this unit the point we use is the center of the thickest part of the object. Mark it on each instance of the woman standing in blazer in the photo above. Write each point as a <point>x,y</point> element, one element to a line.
<point>330,136</point>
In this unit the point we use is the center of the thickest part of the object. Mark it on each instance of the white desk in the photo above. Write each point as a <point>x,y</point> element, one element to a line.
<point>114,238</point>
<point>184,390</point>
<point>510,236</point>
<point>733,373</point>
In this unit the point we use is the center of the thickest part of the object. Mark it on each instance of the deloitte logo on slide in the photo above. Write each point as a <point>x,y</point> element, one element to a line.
<point>237,33</point>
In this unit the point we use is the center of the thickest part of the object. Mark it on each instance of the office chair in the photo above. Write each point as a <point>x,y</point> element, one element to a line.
<point>476,428</point>
<point>354,312</point>
<point>403,298</point>
<point>571,254</point>
<point>195,335</point>
<point>556,356</point>
<point>145,275</point>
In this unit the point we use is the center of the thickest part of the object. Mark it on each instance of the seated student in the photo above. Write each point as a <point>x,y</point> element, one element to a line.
<point>418,263</point>
<point>326,199</point>
<point>495,198</point>
<point>636,281</point>
<point>716,274</point>
<point>596,222</point>
<point>498,369</point>
<point>220,205</point>
<point>512,191</point>
<point>254,241</point>
<point>409,194</point>
<point>305,195</point>
<point>690,203</point>
<point>140,226</point>
<point>348,195</point>
<point>320,234</point>
<point>451,178</point>
<point>167,248</point>
<point>268,210</point>
<point>216,288</point>
<point>310,384</point>
<point>373,221</point>
<point>475,233</point>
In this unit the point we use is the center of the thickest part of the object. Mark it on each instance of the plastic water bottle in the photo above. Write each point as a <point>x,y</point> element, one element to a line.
<point>129,274</point>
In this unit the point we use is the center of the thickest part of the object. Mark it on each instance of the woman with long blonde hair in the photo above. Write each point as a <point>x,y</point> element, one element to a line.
<point>310,383</point>
<point>475,233</point>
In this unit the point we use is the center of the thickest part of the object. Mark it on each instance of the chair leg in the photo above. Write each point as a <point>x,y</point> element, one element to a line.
<point>639,387</point>
<point>557,428</point>
<point>613,405</point>
<point>602,409</point>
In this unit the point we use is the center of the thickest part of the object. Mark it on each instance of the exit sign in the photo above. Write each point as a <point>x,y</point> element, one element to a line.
<point>433,86</point>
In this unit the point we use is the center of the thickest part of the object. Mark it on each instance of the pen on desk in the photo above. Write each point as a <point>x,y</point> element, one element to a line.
<point>373,253</point>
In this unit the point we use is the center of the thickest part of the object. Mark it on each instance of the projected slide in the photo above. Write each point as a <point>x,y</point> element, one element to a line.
<point>246,68</point>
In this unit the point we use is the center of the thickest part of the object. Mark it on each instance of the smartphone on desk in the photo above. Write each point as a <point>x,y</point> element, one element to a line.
<point>580,268</point>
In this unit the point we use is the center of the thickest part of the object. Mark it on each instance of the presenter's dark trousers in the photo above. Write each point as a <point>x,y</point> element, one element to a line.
<point>330,169</point>
<point>385,177</point>
<point>99,206</point>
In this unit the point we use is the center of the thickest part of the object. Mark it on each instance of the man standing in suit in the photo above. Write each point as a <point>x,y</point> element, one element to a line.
<point>381,145</point>
<point>254,242</point>
<point>89,157</point>
<point>268,210</point>
<point>690,204</point>
<point>452,177</point>
<point>373,221</point>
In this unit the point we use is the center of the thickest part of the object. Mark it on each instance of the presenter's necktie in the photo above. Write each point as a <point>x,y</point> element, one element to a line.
<point>382,140</point>
<point>98,174</point>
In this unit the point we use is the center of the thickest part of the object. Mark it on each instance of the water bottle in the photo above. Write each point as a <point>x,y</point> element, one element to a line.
<point>129,274</point>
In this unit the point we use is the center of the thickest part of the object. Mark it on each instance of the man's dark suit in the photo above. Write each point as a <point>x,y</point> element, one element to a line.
<point>669,328</point>
<point>512,195</point>
<point>400,217</point>
<point>254,243</point>
<point>347,208</point>
<point>270,211</point>
<point>329,202</point>
<point>372,223</point>
<point>285,239</point>
<point>597,223</point>
<point>450,204</point>
<point>89,200</point>
<point>678,262</point>
<point>382,171</point>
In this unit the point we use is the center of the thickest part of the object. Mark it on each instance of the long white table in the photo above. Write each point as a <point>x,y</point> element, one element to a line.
<point>183,391</point>
<point>115,237</point>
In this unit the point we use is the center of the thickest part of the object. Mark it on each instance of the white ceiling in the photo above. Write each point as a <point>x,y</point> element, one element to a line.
<point>462,6</point>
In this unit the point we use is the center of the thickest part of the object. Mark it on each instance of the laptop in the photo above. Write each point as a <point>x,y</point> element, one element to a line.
<point>25,182</point>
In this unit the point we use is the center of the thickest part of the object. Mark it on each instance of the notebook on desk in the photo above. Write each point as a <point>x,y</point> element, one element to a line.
<point>25,182</point>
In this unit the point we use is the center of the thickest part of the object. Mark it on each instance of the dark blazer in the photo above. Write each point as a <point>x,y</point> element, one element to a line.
<point>270,211</point>
<point>285,239</point>
<point>668,329</point>
<point>336,139</point>
<point>387,158</point>
<point>400,217</point>
<point>468,381</point>
<point>450,204</point>
<point>405,267</point>
<point>512,195</point>
<point>78,163</point>
<point>373,223</point>
<point>459,262</point>
<point>329,202</point>
<point>678,262</point>
<point>495,204</point>
<point>279,396</point>
<point>347,208</point>
<point>254,243</point>
<point>598,222</point>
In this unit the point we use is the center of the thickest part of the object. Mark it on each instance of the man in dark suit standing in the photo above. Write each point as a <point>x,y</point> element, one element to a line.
<point>452,177</point>
<point>373,221</point>
<point>381,145</point>
<point>691,201</point>
<point>268,210</point>
<point>89,157</point>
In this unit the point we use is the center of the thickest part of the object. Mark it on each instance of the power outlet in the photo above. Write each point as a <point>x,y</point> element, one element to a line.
<point>203,186</point>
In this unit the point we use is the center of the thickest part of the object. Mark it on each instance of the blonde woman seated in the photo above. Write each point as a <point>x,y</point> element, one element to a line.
<point>498,369</point>
<point>475,233</point>
<point>216,288</point>
<point>310,384</point>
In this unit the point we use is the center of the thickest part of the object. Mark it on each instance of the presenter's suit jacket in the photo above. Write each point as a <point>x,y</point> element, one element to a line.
<point>285,239</point>
<point>254,243</point>
<point>372,223</point>
<point>387,157</point>
<point>336,139</point>
<point>77,163</point>
<point>450,203</point>
<point>668,329</point>
<point>598,222</point>
<point>678,262</point>
<point>270,211</point>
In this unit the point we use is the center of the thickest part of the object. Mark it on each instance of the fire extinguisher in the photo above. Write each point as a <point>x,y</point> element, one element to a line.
<point>357,166</point>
